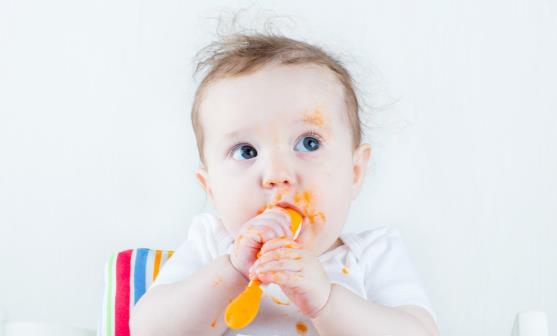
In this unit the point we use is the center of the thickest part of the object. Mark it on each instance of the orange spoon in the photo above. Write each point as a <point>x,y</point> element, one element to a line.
<point>243,309</point>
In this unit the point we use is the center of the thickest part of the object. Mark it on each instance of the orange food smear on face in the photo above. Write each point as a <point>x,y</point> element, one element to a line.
<point>260,210</point>
<point>214,323</point>
<point>301,328</point>
<point>315,117</point>
<point>217,281</point>
<point>303,201</point>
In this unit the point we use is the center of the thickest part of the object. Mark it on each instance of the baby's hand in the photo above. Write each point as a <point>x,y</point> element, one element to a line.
<point>299,274</point>
<point>270,224</point>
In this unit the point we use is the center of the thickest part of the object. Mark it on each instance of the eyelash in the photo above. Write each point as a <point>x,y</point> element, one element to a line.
<point>310,133</point>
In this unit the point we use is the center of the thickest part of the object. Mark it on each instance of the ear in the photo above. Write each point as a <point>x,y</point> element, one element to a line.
<point>202,176</point>
<point>360,159</point>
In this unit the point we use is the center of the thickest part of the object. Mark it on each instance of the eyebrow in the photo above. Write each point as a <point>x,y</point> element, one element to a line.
<point>304,120</point>
<point>236,132</point>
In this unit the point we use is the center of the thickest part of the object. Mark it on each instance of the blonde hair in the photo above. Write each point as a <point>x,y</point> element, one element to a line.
<point>240,54</point>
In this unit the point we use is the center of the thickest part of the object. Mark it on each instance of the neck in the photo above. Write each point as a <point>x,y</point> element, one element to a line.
<point>336,244</point>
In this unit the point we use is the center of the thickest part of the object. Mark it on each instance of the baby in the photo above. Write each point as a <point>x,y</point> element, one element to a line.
<point>277,126</point>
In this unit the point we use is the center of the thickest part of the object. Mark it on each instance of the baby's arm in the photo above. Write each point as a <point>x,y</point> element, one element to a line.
<point>333,309</point>
<point>194,306</point>
<point>348,314</point>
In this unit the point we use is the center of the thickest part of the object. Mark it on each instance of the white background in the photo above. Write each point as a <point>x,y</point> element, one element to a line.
<point>97,153</point>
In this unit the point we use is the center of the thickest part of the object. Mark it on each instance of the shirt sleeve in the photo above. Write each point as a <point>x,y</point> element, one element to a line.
<point>199,249</point>
<point>390,276</point>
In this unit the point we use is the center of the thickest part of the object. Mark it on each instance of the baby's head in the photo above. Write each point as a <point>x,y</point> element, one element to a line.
<point>276,122</point>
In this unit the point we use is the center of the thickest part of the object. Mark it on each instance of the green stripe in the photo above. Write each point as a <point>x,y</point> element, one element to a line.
<point>109,304</point>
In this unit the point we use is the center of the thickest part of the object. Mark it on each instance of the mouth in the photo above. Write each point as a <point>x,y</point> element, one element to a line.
<point>286,205</point>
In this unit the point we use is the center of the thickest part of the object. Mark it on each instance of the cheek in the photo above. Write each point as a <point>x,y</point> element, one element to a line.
<point>232,201</point>
<point>333,176</point>
<point>330,200</point>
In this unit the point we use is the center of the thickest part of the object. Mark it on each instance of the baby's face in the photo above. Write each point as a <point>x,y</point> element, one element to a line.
<point>281,136</point>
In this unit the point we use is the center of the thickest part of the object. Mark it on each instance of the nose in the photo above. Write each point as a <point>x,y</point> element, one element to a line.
<point>277,173</point>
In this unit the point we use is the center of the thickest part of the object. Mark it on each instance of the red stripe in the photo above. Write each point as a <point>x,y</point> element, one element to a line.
<point>122,306</point>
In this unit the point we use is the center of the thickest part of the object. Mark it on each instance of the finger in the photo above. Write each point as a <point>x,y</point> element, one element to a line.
<point>282,217</point>
<point>283,278</point>
<point>277,243</point>
<point>280,254</point>
<point>271,223</point>
<point>274,218</point>
<point>256,236</point>
<point>277,266</point>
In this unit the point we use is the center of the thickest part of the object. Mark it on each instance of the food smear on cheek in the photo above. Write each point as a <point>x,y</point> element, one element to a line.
<point>304,200</point>
<point>316,218</point>
<point>217,281</point>
<point>260,210</point>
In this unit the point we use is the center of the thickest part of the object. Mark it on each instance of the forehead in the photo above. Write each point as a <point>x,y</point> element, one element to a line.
<point>274,94</point>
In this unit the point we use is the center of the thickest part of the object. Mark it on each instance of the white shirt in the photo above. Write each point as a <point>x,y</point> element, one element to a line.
<point>373,264</point>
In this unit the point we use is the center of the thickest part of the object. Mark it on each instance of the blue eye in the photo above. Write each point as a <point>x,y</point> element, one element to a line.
<point>309,144</point>
<point>244,152</point>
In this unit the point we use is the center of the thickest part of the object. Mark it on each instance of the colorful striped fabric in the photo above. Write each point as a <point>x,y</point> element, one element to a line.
<point>128,274</point>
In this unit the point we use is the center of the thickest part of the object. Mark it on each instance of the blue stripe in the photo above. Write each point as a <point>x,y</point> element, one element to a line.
<point>139,273</point>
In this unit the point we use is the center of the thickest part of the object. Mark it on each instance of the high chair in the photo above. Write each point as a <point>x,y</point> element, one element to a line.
<point>128,274</point>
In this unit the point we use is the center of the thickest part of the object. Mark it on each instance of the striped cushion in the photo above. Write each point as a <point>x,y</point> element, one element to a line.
<point>128,274</point>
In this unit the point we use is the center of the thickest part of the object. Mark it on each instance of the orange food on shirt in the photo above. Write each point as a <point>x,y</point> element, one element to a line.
<point>301,328</point>
<point>278,301</point>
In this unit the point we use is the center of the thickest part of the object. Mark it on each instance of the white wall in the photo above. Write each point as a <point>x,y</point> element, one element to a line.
<point>97,154</point>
